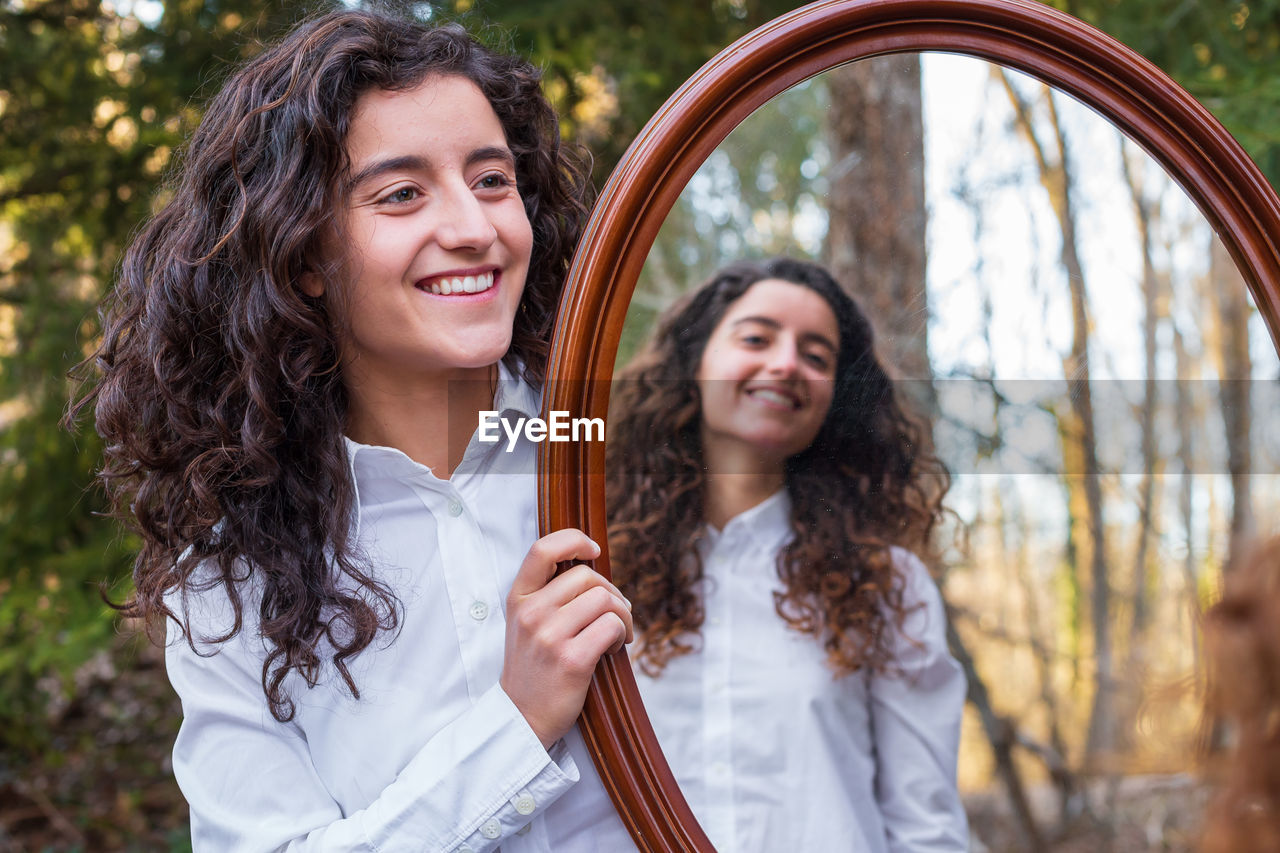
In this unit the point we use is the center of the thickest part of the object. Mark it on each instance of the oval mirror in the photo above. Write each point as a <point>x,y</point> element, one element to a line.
<point>685,199</point>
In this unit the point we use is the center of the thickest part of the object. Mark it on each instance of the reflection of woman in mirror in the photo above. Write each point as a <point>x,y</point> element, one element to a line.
<point>1242,641</point>
<point>766,494</point>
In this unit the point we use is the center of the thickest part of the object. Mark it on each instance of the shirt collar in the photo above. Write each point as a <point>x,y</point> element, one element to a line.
<point>516,395</point>
<point>513,394</point>
<point>767,524</point>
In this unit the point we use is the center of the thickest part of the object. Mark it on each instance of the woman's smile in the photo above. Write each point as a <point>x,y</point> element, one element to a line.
<point>461,283</point>
<point>774,397</point>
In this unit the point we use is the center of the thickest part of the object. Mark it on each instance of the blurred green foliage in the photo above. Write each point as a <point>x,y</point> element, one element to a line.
<point>93,106</point>
<point>1224,52</point>
<point>638,53</point>
<point>95,100</point>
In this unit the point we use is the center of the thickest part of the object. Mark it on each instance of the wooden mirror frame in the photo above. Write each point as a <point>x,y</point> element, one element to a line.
<point>1024,35</point>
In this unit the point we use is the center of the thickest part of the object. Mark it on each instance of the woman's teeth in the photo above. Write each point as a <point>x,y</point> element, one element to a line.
<point>774,396</point>
<point>464,284</point>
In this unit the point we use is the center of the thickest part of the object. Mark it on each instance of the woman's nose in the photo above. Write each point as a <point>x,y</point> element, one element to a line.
<point>465,223</point>
<point>783,358</point>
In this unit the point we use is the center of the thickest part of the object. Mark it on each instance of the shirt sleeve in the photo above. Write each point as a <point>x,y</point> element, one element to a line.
<point>251,785</point>
<point>915,717</point>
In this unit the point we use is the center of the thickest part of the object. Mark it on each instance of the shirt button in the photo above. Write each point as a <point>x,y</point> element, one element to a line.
<point>715,621</point>
<point>524,830</point>
<point>491,829</point>
<point>466,848</point>
<point>455,507</point>
<point>524,803</point>
<point>479,610</point>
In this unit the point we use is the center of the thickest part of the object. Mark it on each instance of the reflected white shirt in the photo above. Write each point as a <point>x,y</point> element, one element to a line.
<point>775,753</point>
<point>433,756</point>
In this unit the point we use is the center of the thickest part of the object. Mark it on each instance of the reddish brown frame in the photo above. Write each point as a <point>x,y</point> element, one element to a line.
<point>1054,47</point>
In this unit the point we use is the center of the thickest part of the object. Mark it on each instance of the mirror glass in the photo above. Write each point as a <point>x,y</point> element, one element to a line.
<point>1088,360</point>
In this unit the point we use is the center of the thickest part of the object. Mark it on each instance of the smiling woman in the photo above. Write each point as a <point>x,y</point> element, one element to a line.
<point>766,492</point>
<point>364,245</point>
<point>434,203</point>
<point>765,380</point>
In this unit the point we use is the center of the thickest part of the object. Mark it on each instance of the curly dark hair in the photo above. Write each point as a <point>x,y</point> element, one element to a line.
<point>218,385</point>
<point>1242,645</point>
<point>867,482</point>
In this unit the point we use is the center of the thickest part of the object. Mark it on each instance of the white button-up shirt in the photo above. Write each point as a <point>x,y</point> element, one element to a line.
<point>772,751</point>
<point>433,756</point>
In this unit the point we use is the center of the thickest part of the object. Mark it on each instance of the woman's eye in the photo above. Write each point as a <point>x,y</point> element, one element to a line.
<point>818,360</point>
<point>493,181</point>
<point>754,340</point>
<point>401,195</point>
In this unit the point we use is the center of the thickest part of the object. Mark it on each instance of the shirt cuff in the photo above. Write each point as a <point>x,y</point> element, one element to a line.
<point>509,780</point>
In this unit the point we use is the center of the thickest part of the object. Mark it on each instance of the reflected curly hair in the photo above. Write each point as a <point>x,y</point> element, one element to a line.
<point>218,382</point>
<point>866,483</point>
<point>1242,645</point>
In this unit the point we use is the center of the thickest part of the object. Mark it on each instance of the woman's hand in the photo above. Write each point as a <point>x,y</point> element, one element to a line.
<point>557,629</point>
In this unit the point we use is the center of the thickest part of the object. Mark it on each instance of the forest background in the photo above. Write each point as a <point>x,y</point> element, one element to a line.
<point>96,98</point>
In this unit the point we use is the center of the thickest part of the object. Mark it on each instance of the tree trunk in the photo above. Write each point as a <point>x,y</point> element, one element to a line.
<point>1234,370</point>
<point>1186,508</point>
<point>1147,214</point>
<point>876,236</point>
<point>1040,634</point>
<point>1003,737</point>
<point>1056,176</point>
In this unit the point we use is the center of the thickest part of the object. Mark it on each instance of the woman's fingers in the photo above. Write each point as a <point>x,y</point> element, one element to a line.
<point>608,628</point>
<point>557,629</point>
<point>540,563</point>
<point>576,580</point>
<point>578,614</point>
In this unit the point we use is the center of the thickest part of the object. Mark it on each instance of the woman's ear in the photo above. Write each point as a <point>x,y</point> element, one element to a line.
<point>312,284</point>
